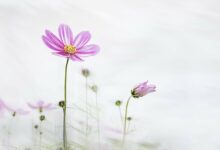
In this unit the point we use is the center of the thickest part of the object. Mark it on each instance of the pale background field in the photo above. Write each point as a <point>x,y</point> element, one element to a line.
<point>172,43</point>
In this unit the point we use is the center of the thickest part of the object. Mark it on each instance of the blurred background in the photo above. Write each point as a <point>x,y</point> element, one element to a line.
<point>173,44</point>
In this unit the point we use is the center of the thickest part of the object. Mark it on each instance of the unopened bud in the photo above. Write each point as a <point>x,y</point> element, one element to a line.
<point>14,114</point>
<point>94,88</point>
<point>85,72</point>
<point>62,104</point>
<point>36,126</point>
<point>118,103</point>
<point>129,118</point>
<point>42,118</point>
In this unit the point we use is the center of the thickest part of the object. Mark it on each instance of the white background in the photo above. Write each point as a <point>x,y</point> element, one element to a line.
<point>173,44</point>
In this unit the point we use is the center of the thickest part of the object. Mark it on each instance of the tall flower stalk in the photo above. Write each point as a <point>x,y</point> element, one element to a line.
<point>125,119</point>
<point>65,45</point>
<point>94,88</point>
<point>138,91</point>
<point>65,104</point>
<point>86,73</point>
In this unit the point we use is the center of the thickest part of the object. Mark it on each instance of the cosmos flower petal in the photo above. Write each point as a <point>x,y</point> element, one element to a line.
<point>54,39</point>
<point>76,58</point>
<point>88,50</point>
<point>142,89</point>
<point>32,106</point>
<point>51,44</point>
<point>40,103</point>
<point>81,39</point>
<point>62,54</point>
<point>22,112</point>
<point>47,106</point>
<point>66,34</point>
<point>8,108</point>
<point>151,88</point>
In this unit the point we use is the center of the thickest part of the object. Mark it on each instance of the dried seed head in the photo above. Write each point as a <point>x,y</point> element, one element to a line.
<point>85,72</point>
<point>94,88</point>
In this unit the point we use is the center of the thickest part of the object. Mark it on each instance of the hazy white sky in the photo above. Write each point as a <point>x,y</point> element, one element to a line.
<point>172,43</point>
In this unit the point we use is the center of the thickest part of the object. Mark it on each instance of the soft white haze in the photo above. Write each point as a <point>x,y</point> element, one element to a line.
<point>172,43</point>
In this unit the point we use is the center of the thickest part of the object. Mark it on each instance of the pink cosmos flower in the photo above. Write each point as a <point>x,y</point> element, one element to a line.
<point>68,46</point>
<point>13,111</point>
<point>41,105</point>
<point>143,89</point>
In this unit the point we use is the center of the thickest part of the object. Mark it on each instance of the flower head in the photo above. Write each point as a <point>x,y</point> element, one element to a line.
<point>68,46</point>
<point>13,111</point>
<point>143,89</point>
<point>41,105</point>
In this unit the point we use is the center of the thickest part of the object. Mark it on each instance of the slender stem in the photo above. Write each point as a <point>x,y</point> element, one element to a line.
<point>98,119</point>
<point>87,110</point>
<point>64,108</point>
<point>40,134</point>
<point>119,109</point>
<point>127,130</point>
<point>125,119</point>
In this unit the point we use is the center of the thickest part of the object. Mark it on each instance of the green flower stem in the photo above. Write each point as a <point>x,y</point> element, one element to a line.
<point>125,120</point>
<point>98,118</point>
<point>40,135</point>
<point>121,117</point>
<point>87,109</point>
<point>64,108</point>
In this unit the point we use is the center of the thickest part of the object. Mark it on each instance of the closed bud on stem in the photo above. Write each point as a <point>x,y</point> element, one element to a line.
<point>118,103</point>
<point>14,114</point>
<point>42,118</point>
<point>62,104</point>
<point>129,118</point>
<point>94,88</point>
<point>36,126</point>
<point>85,72</point>
<point>142,89</point>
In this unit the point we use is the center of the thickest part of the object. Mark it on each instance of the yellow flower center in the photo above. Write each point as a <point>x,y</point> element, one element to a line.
<point>70,49</point>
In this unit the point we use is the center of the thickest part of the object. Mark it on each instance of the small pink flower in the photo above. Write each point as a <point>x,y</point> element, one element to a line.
<point>143,89</point>
<point>41,105</point>
<point>13,111</point>
<point>68,46</point>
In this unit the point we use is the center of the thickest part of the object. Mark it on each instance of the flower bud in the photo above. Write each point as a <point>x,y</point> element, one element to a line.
<point>42,118</point>
<point>94,88</point>
<point>129,118</point>
<point>118,103</point>
<point>36,126</point>
<point>14,114</point>
<point>143,89</point>
<point>62,104</point>
<point>85,72</point>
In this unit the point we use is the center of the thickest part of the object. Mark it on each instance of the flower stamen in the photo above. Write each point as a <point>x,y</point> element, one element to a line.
<point>70,49</point>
